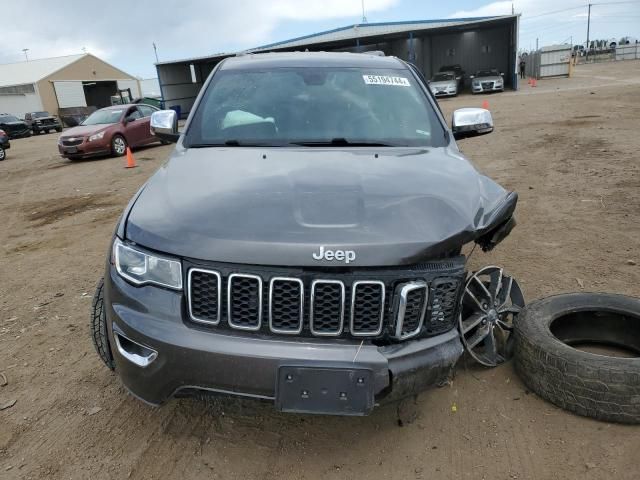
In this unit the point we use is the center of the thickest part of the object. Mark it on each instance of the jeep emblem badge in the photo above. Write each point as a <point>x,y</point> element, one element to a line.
<point>346,256</point>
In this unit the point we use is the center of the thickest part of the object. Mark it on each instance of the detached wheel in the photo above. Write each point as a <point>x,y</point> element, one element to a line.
<point>99,327</point>
<point>118,146</point>
<point>490,305</point>
<point>581,351</point>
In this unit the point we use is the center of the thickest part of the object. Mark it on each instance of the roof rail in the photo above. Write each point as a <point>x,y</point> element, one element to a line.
<point>377,53</point>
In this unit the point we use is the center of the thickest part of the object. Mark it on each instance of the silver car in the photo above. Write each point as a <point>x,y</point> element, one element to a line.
<point>487,81</point>
<point>444,84</point>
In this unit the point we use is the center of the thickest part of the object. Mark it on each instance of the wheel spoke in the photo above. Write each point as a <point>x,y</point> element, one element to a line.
<point>508,294</point>
<point>491,349</point>
<point>475,299</point>
<point>515,309</point>
<point>477,337</point>
<point>487,293</point>
<point>496,285</point>
<point>504,325</point>
<point>472,321</point>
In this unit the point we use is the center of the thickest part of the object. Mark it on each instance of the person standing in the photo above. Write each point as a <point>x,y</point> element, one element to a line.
<point>523,65</point>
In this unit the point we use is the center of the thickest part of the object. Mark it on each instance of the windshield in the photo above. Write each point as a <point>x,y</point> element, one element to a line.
<point>40,114</point>
<point>8,118</point>
<point>103,116</point>
<point>443,77</point>
<point>487,73</point>
<point>315,106</point>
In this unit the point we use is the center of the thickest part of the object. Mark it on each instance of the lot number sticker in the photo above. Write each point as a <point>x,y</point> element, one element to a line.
<point>385,80</point>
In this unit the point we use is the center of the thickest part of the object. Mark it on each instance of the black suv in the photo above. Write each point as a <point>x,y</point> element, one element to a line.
<point>303,242</point>
<point>42,122</point>
<point>13,126</point>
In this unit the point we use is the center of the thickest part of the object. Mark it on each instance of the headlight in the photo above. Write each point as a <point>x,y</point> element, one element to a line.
<point>140,267</point>
<point>96,136</point>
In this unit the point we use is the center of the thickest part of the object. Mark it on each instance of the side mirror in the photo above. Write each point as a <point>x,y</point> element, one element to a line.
<point>128,120</point>
<point>164,125</point>
<point>469,122</point>
<point>472,76</point>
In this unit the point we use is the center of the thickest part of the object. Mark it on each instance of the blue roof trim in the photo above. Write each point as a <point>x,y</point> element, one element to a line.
<point>380,24</point>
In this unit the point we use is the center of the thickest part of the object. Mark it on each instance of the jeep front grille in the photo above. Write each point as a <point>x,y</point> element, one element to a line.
<point>411,307</point>
<point>244,301</point>
<point>204,296</point>
<point>367,308</point>
<point>286,305</point>
<point>326,317</point>
<point>394,303</point>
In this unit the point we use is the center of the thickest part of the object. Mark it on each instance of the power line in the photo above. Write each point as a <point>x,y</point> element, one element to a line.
<point>579,7</point>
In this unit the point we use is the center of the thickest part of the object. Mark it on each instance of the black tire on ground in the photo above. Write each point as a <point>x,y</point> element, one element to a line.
<point>99,327</point>
<point>58,129</point>
<point>3,155</point>
<point>594,385</point>
<point>118,145</point>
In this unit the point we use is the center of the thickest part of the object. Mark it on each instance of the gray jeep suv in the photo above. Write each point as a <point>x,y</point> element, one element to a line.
<point>303,242</point>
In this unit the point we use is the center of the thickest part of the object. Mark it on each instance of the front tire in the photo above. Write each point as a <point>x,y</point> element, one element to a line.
<point>3,155</point>
<point>98,325</point>
<point>118,146</point>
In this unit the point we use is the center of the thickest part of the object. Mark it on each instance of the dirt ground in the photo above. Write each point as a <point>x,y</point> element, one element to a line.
<point>569,147</point>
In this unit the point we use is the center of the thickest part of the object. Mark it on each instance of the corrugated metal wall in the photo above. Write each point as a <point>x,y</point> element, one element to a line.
<point>177,85</point>
<point>628,52</point>
<point>474,50</point>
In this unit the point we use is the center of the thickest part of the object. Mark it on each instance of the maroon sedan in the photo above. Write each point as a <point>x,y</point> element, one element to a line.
<point>109,131</point>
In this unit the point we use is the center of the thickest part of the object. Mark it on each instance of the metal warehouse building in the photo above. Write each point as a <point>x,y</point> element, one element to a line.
<point>61,82</point>
<point>474,43</point>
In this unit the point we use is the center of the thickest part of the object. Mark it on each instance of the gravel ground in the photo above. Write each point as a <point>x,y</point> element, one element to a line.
<point>569,147</point>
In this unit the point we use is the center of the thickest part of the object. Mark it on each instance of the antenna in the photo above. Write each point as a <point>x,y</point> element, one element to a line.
<point>364,18</point>
<point>25,50</point>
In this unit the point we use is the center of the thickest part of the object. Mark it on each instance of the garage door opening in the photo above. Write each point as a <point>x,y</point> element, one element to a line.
<point>98,94</point>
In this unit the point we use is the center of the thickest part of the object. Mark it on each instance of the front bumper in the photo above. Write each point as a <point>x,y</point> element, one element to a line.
<point>84,150</point>
<point>188,357</point>
<point>19,133</point>
<point>481,89</point>
<point>46,127</point>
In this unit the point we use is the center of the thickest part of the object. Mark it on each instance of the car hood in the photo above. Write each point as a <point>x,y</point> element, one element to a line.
<point>443,84</point>
<point>83,130</point>
<point>44,118</point>
<point>277,206</point>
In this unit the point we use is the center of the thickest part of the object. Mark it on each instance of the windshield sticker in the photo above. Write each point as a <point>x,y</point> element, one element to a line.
<point>386,80</point>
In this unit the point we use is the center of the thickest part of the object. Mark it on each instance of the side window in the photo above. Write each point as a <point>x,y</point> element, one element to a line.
<point>134,114</point>
<point>146,110</point>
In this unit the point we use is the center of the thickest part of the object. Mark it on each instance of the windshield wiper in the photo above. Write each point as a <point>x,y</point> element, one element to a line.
<point>235,143</point>
<point>342,142</point>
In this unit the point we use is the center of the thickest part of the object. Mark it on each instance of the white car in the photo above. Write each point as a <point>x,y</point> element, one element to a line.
<point>487,81</point>
<point>444,84</point>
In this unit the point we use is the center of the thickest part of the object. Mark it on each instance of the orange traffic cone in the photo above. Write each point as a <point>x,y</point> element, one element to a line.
<point>485,104</point>
<point>529,81</point>
<point>131,162</point>
<point>534,82</point>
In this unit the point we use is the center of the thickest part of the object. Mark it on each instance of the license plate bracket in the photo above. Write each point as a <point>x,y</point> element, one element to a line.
<point>71,149</point>
<point>325,390</point>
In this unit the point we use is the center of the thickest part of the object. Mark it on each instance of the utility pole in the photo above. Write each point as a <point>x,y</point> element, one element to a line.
<point>588,28</point>
<point>155,50</point>
<point>536,44</point>
<point>25,50</point>
<point>364,18</point>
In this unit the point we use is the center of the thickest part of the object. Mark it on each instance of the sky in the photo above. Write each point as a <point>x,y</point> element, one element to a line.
<point>122,32</point>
